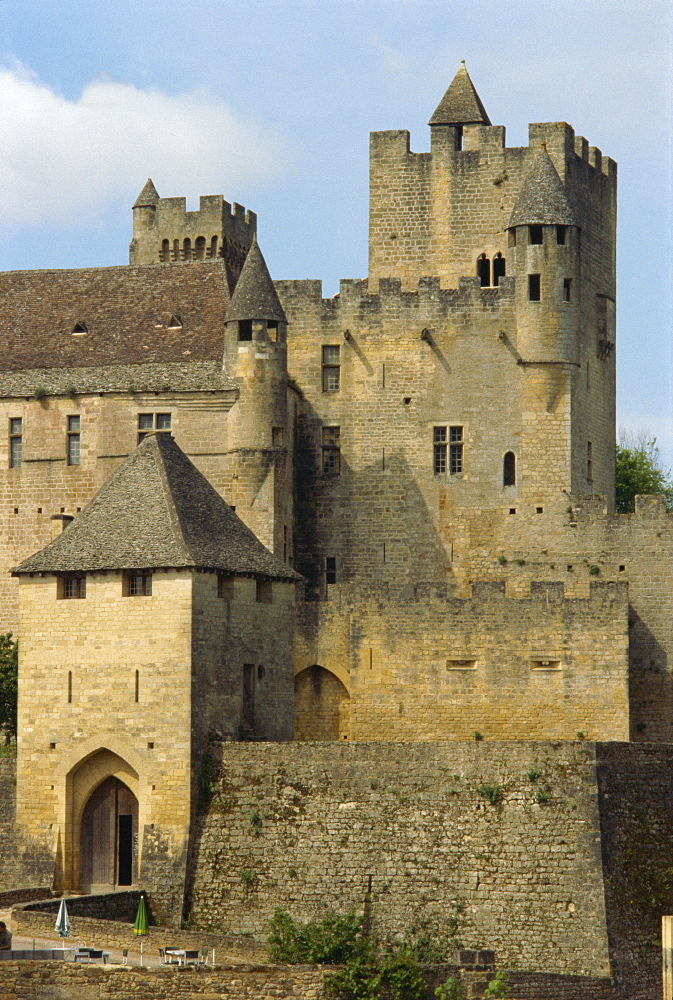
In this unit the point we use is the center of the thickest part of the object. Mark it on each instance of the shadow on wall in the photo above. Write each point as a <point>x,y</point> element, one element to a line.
<point>650,684</point>
<point>321,706</point>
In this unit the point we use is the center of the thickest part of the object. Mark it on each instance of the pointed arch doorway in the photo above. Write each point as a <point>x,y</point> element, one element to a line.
<point>109,838</point>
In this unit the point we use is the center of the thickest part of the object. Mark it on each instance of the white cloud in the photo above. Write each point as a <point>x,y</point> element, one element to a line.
<point>63,160</point>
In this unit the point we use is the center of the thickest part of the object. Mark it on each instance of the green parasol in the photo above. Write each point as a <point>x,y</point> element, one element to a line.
<point>141,925</point>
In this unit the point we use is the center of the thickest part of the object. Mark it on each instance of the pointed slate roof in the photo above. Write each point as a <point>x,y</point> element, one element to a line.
<point>461,104</point>
<point>157,511</point>
<point>542,200</point>
<point>149,195</point>
<point>255,296</point>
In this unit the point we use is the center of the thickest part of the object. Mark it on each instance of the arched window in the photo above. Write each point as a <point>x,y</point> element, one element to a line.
<point>484,271</point>
<point>187,249</point>
<point>509,469</point>
<point>498,268</point>
<point>165,252</point>
<point>213,247</point>
<point>200,247</point>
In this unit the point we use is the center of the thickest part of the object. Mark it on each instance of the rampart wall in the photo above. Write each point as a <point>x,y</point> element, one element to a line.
<point>411,830</point>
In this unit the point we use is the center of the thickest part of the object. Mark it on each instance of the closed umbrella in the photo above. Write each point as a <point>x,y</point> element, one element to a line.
<point>62,925</point>
<point>141,925</point>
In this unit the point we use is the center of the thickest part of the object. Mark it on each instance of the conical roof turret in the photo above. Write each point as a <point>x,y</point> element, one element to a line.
<point>542,200</point>
<point>148,197</point>
<point>461,104</point>
<point>255,296</point>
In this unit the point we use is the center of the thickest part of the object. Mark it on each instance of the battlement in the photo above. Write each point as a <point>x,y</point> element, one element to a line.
<point>165,232</point>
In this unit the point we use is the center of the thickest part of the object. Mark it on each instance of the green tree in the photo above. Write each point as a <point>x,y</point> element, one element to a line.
<point>639,471</point>
<point>9,664</point>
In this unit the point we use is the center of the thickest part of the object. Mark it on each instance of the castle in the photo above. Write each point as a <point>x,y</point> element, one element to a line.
<point>386,516</point>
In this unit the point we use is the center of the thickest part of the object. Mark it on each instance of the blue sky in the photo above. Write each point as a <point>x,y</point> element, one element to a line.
<point>270,104</point>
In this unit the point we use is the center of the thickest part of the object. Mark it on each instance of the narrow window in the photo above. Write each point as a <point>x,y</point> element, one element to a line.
<point>213,247</point>
<point>455,450</point>
<point>137,585</point>
<point>272,330</point>
<point>590,463</point>
<point>70,687</point>
<point>509,469</point>
<point>458,135</point>
<point>331,368</point>
<point>535,235</point>
<point>176,249</point>
<point>534,287</point>
<point>567,282</point>
<point>187,249</point>
<point>15,442</point>
<point>331,451</point>
<point>511,237</point>
<point>137,686</point>
<point>73,440</point>
<point>264,591</point>
<point>200,247</point>
<point>330,570</point>
<point>165,254</point>
<point>561,235</point>
<point>439,438</point>
<point>498,268</point>
<point>225,587</point>
<point>245,329</point>
<point>277,436</point>
<point>284,543</point>
<point>72,587</point>
<point>248,706</point>
<point>484,271</point>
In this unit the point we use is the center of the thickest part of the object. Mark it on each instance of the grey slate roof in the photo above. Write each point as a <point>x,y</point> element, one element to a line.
<point>542,200</point>
<point>157,511</point>
<point>148,196</point>
<point>461,104</point>
<point>186,376</point>
<point>255,296</point>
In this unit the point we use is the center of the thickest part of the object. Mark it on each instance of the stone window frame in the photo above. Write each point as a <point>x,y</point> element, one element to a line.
<point>71,587</point>
<point>154,423</point>
<point>448,443</point>
<point>331,450</point>
<point>15,442</point>
<point>137,584</point>
<point>73,439</point>
<point>331,367</point>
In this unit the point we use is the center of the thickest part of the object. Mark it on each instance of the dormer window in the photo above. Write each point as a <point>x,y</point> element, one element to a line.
<point>174,323</point>
<point>80,328</point>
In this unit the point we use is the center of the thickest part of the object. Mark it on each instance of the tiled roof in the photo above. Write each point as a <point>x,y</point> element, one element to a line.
<point>542,200</point>
<point>148,196</point>
<point>157,511</point>
<point>461,104</point>
<point>255,296</point>
<point>126,312</point>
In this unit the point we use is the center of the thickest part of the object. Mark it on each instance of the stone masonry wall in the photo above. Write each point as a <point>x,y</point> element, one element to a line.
<point>307,827</point>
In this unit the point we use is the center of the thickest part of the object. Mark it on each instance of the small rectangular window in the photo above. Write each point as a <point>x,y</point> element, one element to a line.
<point>511,237</point>
<point>245,329</point>
<point>331,368</point>
<point>567,282</point>
<point>534,287</point>
<point>272,330</point>
<point>455,450</point>
<point>73,440</point>
<point>15,442</point>
<point>590,463</point>
<point>331,451</point>
<point>330,570</point>
<point>264,592</point>
<point>137,585</point>
<point>150,422</point>
<point>561,234</point>
<point>439,450</point>
<point>535,235</point>
<point>72,587</point>
<point>225,587</point>
<point>277,436</point>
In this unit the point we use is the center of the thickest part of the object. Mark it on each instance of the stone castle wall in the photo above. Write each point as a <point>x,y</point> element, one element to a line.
<point>409,830</point>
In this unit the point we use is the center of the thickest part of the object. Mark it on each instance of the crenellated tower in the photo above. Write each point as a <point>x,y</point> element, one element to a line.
<point>164,232</point>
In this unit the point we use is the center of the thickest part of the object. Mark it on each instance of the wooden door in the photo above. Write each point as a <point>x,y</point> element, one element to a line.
<point>108,837</point>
